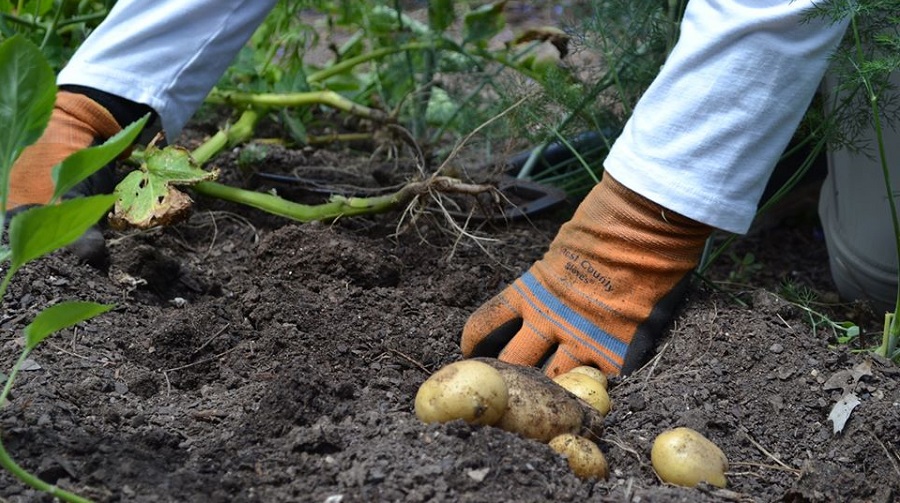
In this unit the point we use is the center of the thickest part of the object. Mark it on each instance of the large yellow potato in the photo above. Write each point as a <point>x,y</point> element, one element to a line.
<point>584,457</point>
<point>593,373</point>
<point>540,409</point>
<point>469,390</point>
<point>684,457</point>
<point>586,388</point>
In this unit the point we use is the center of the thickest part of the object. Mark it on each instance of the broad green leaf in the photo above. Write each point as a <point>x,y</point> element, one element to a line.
<point>27,93</point>
<point>44,229</point>
<point>440,14</point>
<point>58,317</point>
<point>148,197</point>
<point>82,164</point>
<point>483,23</point>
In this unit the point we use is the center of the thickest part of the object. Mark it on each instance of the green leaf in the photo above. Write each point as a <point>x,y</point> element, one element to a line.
<point>148,197</point>
<point>44,229</point>
<point>385,20</point>
<point>441,107</point>
<point>82,164</point>
<point>483,23</point>
<point>58,317</point>
<point>27,94</point>
<point>440,14</point>
<point>37,7</point>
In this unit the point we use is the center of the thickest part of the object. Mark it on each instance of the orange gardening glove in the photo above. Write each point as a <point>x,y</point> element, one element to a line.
<point>601,295</point>
<point>76,123</point>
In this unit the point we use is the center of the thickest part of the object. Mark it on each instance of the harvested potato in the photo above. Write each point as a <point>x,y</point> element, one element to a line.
<point>585,459</point>
<point>586,388</point>
<point>593,373</point>
<point>684,457</point>
<point>540,409</point>
<point>469,390</point>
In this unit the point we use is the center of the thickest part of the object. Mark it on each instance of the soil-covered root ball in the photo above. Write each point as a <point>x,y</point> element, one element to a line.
<point>585,459</point>
<point>469,390</point>
<point>684,457</point>
<point>539,409</point>
<point>593,373</point>
<point>586,388</point>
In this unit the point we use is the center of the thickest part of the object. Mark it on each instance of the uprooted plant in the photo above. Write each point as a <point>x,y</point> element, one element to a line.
<point>391,62</point>
<point>25,105</point>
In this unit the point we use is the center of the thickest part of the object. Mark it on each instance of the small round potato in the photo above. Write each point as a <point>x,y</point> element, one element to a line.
<point>585,459</point>
<point>592,372</point>
<point>586,388</point>
<point>469,390</point>
<point>684,457</point>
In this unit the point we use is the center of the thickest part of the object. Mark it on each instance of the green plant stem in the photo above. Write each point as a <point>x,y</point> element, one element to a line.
<point>84,18</point>
<point>274,100</point>
<point>7,387</point>
<point>239,132</point>
<point>589,97</point>
<point>338,206</point>
<point>18,20</point>
<point>51,29</point>
<point>338,137</point>
<point>349,63</point>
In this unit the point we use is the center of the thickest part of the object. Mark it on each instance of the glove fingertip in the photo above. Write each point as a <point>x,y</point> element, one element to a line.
<point>491,344</point>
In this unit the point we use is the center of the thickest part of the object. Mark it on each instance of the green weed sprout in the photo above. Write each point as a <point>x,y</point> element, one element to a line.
<point>843,332</point>
<point>25,106</point>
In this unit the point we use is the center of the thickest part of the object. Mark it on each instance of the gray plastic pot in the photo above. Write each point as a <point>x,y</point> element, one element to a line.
<point>853,207</point>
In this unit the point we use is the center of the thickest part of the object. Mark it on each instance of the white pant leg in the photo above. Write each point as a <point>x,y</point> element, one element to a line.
<point>704,138</point>
<point>167,54</point>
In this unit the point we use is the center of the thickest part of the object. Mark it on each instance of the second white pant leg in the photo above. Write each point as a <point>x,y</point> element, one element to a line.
<point>704,138</point>
<point>167,54</point>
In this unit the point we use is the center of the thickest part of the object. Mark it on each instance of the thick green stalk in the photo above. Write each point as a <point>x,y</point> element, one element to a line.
<point>327,98</point>
<point>239,132</point>
<point>338,206</point>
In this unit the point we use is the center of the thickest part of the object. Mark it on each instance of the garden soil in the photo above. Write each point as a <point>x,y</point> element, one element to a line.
<point>254,359</point>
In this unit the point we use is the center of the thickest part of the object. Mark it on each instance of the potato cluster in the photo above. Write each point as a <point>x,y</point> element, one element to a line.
<point>566,413</point>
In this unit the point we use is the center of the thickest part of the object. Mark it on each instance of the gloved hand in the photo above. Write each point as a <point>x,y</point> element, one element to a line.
<point>601,295</point>
<point>76,123</point>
